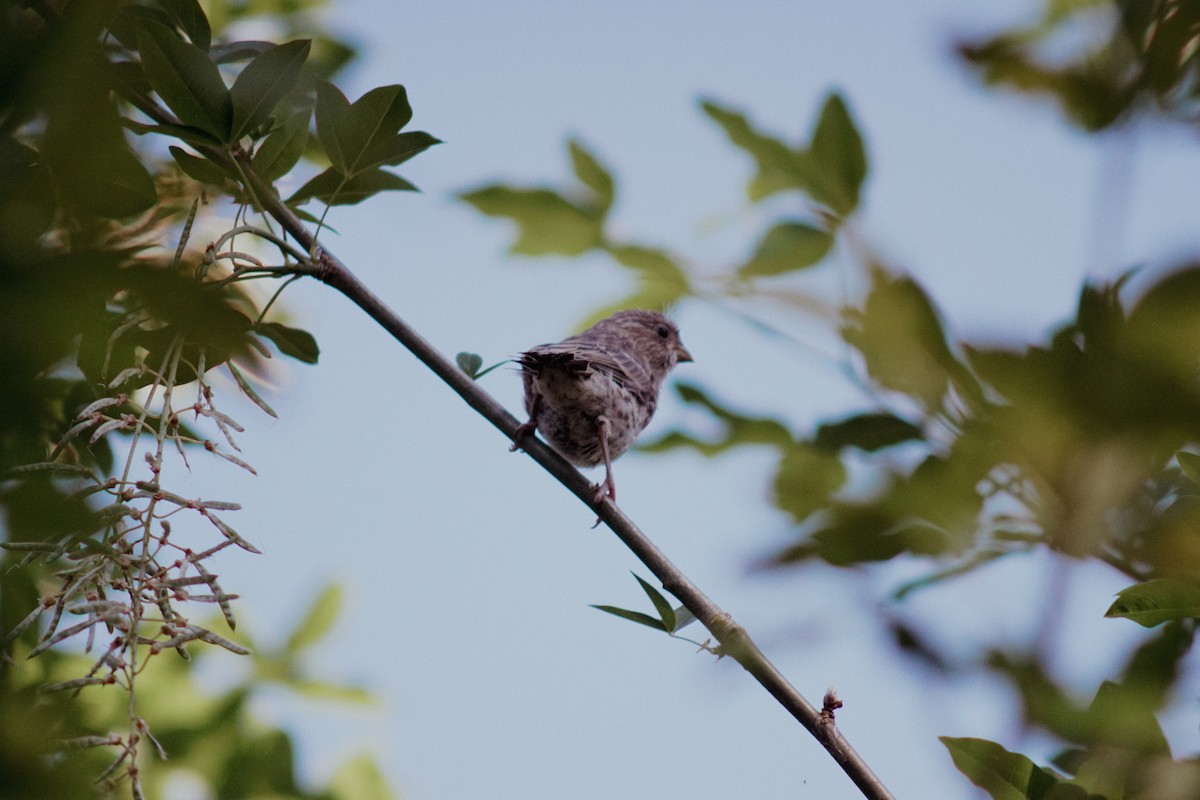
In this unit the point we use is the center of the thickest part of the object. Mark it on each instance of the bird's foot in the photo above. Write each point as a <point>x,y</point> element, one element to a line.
<point>522,431</point>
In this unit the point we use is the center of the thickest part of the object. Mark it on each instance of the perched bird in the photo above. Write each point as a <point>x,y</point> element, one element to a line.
<point>592,394</point>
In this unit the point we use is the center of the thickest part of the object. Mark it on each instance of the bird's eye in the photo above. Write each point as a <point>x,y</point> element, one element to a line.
<point>663,332</point>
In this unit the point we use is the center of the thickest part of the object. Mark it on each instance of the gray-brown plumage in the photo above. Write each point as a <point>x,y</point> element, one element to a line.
<point>592,394</point>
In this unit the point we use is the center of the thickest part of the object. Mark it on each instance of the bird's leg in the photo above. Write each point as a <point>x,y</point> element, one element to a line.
<point>609,487</point>
<point>529,427</point>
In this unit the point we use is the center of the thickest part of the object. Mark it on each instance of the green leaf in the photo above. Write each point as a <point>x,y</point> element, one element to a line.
<point>1190,464</point>
<point>318,620</point>
<point>1157,601</point>
<point>190,18</point>
<point>777,163</point>
<point>116,184</point>
<point>592,174</point>
<point>739,429</point>
<point>263,83</point>
<point>634,616</point>
<point>232,52</point>
<point>665,611</point>
<point>861,534</point>
<point>469,363</point>
<point>360,779</point>
<point>655,265</point>
<point>547,223</point>
<point>869,432</point>
<point>199,169</point>
<point>186,79</point>
<point>186,133</point>
<point>1121,715</point>
<point>333,188</point>
<point>788,246</point>
<point>900,336</point>
<point>373,118</point>
<point>837,152</point>
<point>806,479</point>
<point>360,136</point>
<point>298,344</point>
<point>396,149</point>
<point>333,109</point>
<point>1003,775</point>
<point>280,151</point>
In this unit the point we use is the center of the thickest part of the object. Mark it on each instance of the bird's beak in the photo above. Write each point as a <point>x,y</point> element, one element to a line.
<point>681,354</point>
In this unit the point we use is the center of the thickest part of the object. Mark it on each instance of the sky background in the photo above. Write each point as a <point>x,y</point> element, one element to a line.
<point>469,572</point>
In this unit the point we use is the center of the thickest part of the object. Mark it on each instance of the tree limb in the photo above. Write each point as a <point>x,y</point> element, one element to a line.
<point>734,640</point>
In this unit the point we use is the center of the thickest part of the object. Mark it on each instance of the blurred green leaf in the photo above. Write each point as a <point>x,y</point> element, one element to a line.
<point>1157,601</point>
<point>199,169</point>
<point>868,432</point>
<point>806,480</point>
<point>360,779</point>
<point>317,621</point>
<point>655,265</point>
<point>592,174</point>
<point>1120,717</point>
<point>837,158</point>
<point>1190,464</point>
<point>1164,329</point>
<point>1002,774</point>
<point>787,247</point>
<point>900,336</point>
<point>1092,87</point>
<point>852,534</point>
<point>116,184</point>
<point>776,162</point>
<point>294,342</point>
<point>661,282</point>
<point>634,616</point>
<point>263,83</point>
<point>547,223</point>
<point>739,429</point>
<point>186,79</point>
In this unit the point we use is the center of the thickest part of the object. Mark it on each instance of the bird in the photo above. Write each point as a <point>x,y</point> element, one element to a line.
<point>591,394</point>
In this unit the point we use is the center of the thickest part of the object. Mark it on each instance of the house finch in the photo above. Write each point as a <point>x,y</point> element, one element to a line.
<point>592,394</point>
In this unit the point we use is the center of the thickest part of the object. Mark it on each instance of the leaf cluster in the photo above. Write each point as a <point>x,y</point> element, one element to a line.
<point>1086,444</point>
<point>1121,59</point>
<point>827,172</point>
<point>111,321</point>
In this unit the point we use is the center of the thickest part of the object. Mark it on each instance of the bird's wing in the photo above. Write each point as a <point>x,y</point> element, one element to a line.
<point>586,353</point>
<point>581,356</point>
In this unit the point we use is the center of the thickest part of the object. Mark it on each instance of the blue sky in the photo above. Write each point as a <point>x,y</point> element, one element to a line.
<point>469,572</point>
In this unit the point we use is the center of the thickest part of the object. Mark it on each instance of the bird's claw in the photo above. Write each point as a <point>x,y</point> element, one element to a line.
<point>519,435</point>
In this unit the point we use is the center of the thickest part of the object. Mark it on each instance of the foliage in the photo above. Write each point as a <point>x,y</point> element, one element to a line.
<point>112,322</point>
<point>1085,444</point>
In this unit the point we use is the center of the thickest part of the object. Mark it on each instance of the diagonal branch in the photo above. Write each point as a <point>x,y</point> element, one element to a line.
<point>734,640</point>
